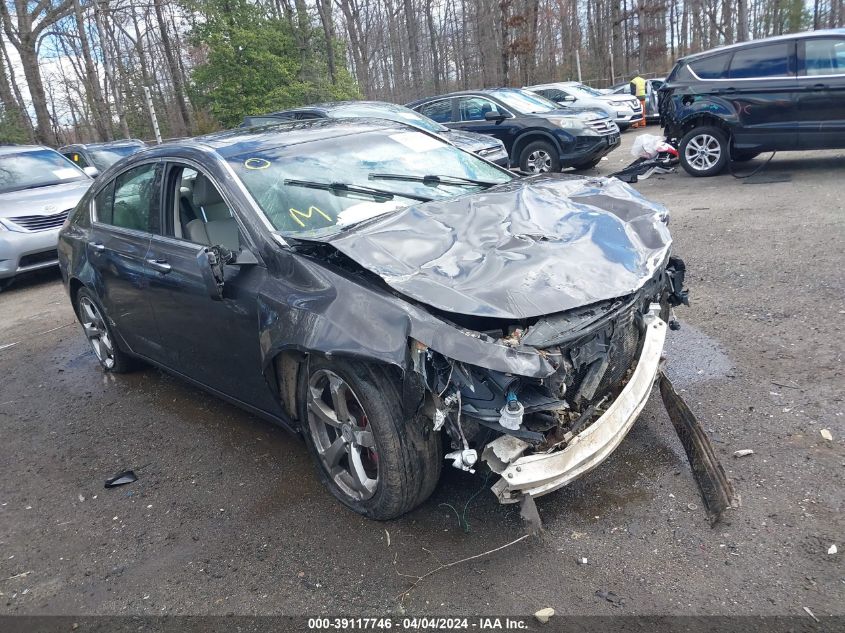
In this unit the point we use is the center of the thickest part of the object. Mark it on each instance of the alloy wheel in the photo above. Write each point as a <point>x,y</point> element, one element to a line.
<point>539,162</point>
<point>703,151</point>
<point>94,326</point>
<point>342,435</point>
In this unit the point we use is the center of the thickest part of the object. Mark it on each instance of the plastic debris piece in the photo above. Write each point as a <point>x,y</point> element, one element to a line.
<point>611,597</point>
<point>826,435</point>
<point>743,452</point>
<point>543,615</point>
<point>121,479</point>
<point>582,561</point>
<point>810,613</point>
<point>832,549</point>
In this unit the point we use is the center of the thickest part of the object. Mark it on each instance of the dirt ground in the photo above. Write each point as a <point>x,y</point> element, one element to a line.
<point>227,515</point>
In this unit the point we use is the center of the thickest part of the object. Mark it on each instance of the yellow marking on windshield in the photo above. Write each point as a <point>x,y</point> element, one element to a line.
<point>296,214</point>
<point>256,163</point>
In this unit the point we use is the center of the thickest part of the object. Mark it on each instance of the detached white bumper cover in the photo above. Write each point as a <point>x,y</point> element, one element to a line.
<point>539,474</point>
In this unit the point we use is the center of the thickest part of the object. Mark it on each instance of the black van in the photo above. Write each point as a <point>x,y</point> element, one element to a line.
<point>778,94</point>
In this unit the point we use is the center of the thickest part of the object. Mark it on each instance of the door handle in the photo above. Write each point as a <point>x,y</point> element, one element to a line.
<point>160,265</point>
<point>818,87</point>
<point>99,248</point>
<point>726,91</point>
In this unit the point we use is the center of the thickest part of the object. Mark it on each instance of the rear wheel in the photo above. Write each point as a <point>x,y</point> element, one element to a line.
<point>368,455</point>
<point>704,151</point>
<point>6,282</point>
<point>539,157</point>
<point>99,334</point>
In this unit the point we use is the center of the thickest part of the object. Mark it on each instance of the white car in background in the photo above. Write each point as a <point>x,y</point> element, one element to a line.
<point>623,109</point>
<point>38,188</point>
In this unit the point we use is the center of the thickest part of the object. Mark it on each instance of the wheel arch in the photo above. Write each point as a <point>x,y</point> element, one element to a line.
<point>529,137</point>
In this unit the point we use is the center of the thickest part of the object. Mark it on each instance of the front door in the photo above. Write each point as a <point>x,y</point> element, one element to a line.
<point>471,112</point>
<point>213,342</point>
<point>126,213</point>
<point>821,92</point>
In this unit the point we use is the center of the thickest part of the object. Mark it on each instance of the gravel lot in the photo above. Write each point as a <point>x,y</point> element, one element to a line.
<point>227,515</point>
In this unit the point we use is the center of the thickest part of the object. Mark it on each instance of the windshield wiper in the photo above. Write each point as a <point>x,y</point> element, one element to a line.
<point>338,188</point>
<point>433,179</point>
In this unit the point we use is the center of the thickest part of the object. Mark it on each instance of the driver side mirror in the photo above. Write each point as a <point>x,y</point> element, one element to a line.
<point>567,99</point>
<point>494,116</point>
<point>212,261</point>
<point>91,171</point>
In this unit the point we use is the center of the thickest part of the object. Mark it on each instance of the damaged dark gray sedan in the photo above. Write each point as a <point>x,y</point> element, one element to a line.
<point>393,299</point>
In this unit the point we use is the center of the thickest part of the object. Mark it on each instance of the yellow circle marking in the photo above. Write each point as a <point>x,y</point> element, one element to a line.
<point>256,163</point>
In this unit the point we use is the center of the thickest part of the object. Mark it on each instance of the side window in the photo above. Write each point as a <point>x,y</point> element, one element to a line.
<point>474,108</point>
<point>824,56</point>
<point>551,93</point>
<point>440,111</point>
<point>711,67</point>
<point>131,201</point>
<point>200,214</point>
<point>771,60</point>
<point>77,158</point>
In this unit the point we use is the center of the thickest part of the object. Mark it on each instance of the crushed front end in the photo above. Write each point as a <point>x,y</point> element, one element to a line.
<point>540,433</point>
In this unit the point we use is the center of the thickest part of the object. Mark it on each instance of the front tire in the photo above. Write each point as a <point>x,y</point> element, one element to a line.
<point>704,151</point>
<point>368,455</point>
<point>539,157</point>
<point>99,333</point>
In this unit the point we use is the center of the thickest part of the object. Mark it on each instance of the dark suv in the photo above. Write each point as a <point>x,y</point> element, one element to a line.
<point>779,94</point>
<point>539,135</point>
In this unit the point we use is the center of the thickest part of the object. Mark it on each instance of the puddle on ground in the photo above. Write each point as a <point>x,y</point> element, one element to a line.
<point>694,357</point>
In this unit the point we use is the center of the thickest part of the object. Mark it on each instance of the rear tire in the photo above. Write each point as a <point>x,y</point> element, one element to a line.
<point>95,327</point>
<point>704,151</point>
<point>6,282</point>
<point>368,455</point>
<point>539,157</point>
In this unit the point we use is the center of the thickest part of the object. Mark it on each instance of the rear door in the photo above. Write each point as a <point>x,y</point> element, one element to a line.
<point>213,342</point>
<point>821,92</point>
<point>439,110</point>
<point>126,214</point>
<point>762,86</point>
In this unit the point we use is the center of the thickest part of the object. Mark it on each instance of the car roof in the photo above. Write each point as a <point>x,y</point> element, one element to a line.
<point>117,143</point>
<point>284,133</point>
<point>464,93</point>
<point>552,84</point>
<point>17,149</point>
<point>334,105</point>
<point>766,40</point>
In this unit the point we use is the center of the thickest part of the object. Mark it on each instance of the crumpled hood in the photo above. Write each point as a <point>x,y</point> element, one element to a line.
<point>43,200</point>
<point>531,247</point>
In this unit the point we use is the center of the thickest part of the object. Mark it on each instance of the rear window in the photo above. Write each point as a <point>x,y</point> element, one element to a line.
<point>711,67</point>
<point>824,56</point>
<point>771,60</point>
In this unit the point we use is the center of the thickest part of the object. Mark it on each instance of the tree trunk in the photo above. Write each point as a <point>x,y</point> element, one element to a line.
<point>435,54</point>
<point>91,80</point>
<point>742,20</point>
<point>413,45</point>
<point>175,73</point>
<point>504,7</point>
<point>324,8</point>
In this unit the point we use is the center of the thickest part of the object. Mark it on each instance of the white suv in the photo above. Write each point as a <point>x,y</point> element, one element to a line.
<point>622,109</point>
